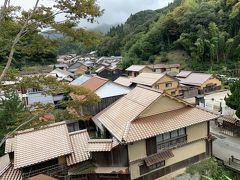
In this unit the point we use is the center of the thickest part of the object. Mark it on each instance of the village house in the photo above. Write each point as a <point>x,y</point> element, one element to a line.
<point>55,151</point>
<point>61,75</point>
<point>203,82</point>
<point>159,133</point>
<point>124,81</point>
<point>111,73</point>
<point>107,90</point>
<point>79,68</point>
<point>161,81</point>
<point>135,70</point>
<point>160,68</point>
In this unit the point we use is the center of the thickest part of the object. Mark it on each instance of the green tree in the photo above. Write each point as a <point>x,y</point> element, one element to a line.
<point>233,99</point>
<point>10,109</point>
<point>43,17</point>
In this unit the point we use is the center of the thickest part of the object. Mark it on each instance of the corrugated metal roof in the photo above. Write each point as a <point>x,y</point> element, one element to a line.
<point>229,119</point>
<point>94,83</point>
<point>79,141</point>
<point>111,89</point>
<point>11,174</point>
<point>124,81</point>
<point>38,97</point>
<point>99,145</point>
<point>136,68</point>
<point>9,145</point>
<point>4,163</point>
<point>100,69</point>
<point>150,126</point>
<point>80,80</point>
<point>37,146</point>
<point>148,79</point>
<point>117,117</point>
<point>156,158</point>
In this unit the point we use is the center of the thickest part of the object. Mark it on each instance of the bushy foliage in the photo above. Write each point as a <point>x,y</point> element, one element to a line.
<point>207,30</point>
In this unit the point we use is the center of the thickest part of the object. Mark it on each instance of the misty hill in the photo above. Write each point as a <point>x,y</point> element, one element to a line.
<point>205,31</point>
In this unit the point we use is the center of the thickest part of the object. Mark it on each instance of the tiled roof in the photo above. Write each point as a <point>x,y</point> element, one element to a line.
<point>42,177</point>
<point>11,174</point>
<point>41,145</point>
<point>94,83</point>
<point>79,141</point>
<point>158,66</point>
<point>124,81</point>
<point>100,69</point>
<point>183,74</point>
<point>196,79</point>
<point>136,68</point>
<point>118,117</point>
<point>99,145</point>
<point>150,126</point>
<point>148,79</point>
<point>156,158</point>
<point>121,119</point>
<point>9,145</point>
<point>4,163</point>
<point>229,119</point>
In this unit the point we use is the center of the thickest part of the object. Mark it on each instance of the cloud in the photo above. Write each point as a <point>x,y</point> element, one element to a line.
<point>115,11</point>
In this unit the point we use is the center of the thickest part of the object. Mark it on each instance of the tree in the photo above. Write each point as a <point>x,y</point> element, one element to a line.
<point>10,109</point>
<point>43,17</point>
<point>233,99</point>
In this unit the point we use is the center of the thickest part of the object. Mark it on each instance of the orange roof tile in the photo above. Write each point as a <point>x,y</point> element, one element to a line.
<point>79,140</point>
<point>35,146</point>
<point>117,117</point>
<point>9,145</point>
<point>42,177</point>
<point>98,145</point>
<point>150,126</point>
<point>156,158</point>
<point>121,118</point>
<point>94,83</point>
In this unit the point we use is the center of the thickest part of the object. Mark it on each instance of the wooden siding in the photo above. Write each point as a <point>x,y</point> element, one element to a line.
<point>163,104</point>
<point>96,108</point>
<point>118,157</point>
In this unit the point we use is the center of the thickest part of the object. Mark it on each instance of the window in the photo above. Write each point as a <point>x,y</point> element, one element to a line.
<point>170,139</point>
<point>168,85</point>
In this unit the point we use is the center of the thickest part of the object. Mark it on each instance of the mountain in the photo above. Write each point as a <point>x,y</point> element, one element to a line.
<point>103,28</point>
<point>204,33</point>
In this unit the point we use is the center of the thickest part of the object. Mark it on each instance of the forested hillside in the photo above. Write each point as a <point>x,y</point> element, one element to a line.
<point>207,30</point>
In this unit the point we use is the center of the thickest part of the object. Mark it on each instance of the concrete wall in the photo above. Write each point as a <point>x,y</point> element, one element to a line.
<point>163,104</point>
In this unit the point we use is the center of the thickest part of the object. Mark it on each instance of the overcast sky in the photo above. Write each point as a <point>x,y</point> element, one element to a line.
<point>115,11</point>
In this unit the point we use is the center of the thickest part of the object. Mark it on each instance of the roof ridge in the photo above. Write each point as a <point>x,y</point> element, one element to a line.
<point>40,128</point>
<point>100,140</point>
<point>77,132</point>
<point>149,88</point>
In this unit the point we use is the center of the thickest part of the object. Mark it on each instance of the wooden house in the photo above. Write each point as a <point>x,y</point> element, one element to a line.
<point>162,134</point>
<point>160,81</point>
<point>135,70</point>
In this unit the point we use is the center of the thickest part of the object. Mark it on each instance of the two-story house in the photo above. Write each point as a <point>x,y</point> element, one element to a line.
<point>162,134</point>
<point>135,70</point>
<point>203,82</point>
<point>160,81</point>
